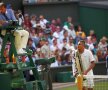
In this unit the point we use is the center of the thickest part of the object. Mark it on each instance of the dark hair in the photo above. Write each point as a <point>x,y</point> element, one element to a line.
<point>64,49</point>
<point>67,57</point>
<point>20,15</point>
<point>65,39</point>
<point>65,32</point>
<point>30,39</point>
<point>82,41</point>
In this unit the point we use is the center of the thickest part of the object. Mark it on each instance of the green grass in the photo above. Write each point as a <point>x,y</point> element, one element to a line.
<point>69,88</point>
<point>99,85</point>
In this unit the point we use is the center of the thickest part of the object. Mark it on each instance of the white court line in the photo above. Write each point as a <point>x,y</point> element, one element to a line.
<point>62,85</point>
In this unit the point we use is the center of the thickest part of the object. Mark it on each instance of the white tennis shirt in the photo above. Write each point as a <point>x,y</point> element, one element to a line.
<point>86,59</point>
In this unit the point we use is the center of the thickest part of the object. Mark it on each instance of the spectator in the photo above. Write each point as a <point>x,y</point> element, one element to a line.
<point>58,22</point>
<point>67,59</point>
<point>45,51</point>
<point>68,22</point>
<point>43,22</point>
<point>53,25</point>
<point>92,43</point>
<point>58,62</point>
<point>102,46</point>
<point>33,20</point>
<point>20,17</point>
<point>65,36</point>
<point>63,53</point>
<point>56,34</point>
<point>33,36</point>
<point>64,44</point>
<point>71,44</point>
<point>31,44</point>
<point>91,35</point>
<point>27,24</point>
<point>72,31</point>
<point>94,52</point>
<point>79,32</point>
<point>54,46</point>
<point>80,35</point>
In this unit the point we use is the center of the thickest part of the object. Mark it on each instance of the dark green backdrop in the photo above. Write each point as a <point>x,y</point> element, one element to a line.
<point>94,18</point>
<point>55,10</point>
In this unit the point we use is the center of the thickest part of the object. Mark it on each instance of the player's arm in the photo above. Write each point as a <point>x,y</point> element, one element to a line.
<point>91,66</point>
<point>92,63</point>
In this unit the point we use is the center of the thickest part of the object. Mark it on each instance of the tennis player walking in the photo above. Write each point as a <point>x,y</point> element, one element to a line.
<point>87,63</point>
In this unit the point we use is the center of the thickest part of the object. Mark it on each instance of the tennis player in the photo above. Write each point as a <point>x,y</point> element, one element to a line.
<point>87,64</point>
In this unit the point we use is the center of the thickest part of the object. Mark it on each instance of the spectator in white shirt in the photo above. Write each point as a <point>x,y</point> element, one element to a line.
<point>43,22</point>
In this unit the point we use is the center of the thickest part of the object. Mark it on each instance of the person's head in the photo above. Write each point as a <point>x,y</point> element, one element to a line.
<point>64,40</point>
<point>2,8</point>
<point>103,40</point>
<point>93,39</point>
<point>40,35</point>
<point>81,46</point>
<point>41,17</point>
<point>91,32</point>
<point>69,19</point>
<point>53,21</point>
<point>55,41</point>
<point>58,28</point>
<point>63,50</point>
<point>58,58</point>
<point>65,33</point>
<point>33,31</point>
<point>70,39</point>
<point>26,16</point>
<point>67,57</point>
<point>30,42</point>
<point>43,41</point>
<point>58,20</point>
<point>79,28</point>
<point>33,17</point>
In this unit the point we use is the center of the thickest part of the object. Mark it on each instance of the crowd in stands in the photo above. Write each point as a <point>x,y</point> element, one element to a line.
<point>43,1</point>
<point>48,38</point>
